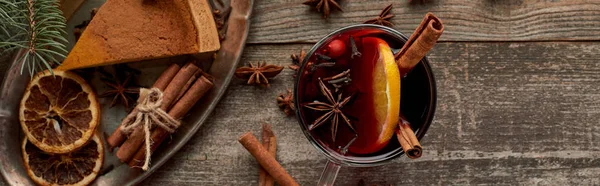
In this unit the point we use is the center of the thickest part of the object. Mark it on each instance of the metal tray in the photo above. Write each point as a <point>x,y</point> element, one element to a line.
<point>113,172</point>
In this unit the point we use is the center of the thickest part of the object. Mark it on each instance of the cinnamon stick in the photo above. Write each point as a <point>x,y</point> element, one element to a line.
<point>136,138</point>
<point>419,43</point>
<point>409,142</point>
<point>270,143</point>
<point>166,77</point>
<point>118,137</point>
<point>187,86</point>
<point>266,160</point>
<point>195,92</point>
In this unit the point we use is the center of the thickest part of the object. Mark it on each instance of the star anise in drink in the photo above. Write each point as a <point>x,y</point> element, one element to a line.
<point>383,18</point>
<point>333,108</point>
<point>259,73</point>
<point>286,102</point>
<point>324,6</point>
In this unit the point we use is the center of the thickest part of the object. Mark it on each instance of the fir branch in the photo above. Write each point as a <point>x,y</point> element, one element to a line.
<point>36,26</point>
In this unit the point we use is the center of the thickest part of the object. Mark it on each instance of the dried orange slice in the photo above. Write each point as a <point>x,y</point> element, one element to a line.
<point>59,113</point>
<point>79,167</point>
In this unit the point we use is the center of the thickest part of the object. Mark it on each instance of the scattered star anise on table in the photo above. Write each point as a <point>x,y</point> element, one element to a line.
<point>286,102</point>
<point>121,86</point>
<point>297,60</point>
<point>333,110</point>
<point>259,73</point>
<point>324,6</point>
<point>383,18</point>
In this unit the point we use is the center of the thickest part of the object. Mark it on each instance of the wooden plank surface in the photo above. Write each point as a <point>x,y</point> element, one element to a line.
<point>507,113</point>
<point>276,21</point>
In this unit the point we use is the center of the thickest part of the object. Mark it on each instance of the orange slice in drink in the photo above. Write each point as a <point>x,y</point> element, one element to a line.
<point>381,111</point>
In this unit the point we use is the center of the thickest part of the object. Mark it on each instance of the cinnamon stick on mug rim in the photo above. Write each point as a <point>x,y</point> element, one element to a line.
<point>270,143</point>
<point>409,142</point>
<point>136,138</point>
<point>419,43</point>
<point>118,137</point>
<point>266,160</point>
<point>200,87</point>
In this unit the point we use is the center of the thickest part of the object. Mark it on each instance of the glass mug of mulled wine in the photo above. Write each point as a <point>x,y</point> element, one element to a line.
<point>348,97</point>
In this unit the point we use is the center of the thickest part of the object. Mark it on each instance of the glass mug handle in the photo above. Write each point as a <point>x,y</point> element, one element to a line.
<point>329,174</point>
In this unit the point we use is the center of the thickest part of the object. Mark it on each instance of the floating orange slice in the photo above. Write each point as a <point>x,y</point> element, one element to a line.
<point>377,128</point>
<point>59,113</point>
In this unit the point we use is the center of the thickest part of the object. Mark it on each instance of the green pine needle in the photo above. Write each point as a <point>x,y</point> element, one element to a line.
<point>36,26</point>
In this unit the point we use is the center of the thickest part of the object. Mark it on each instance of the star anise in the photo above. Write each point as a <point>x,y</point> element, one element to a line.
<point>324,6</point>
<point>122,91</point>
<point>297,60</point>
<point>333,110</point>
<point>286,102</point>
<point>383,18</point>
<point>259,73</point>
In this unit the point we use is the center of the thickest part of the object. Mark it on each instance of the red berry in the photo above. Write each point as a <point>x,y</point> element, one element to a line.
<point>336,48</point>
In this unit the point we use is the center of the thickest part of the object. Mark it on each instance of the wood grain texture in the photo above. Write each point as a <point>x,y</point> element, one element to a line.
<point>507,113</point>
<point>521,113</point>
<point>277,21</point>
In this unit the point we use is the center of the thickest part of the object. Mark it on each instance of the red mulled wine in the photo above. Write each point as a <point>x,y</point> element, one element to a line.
<point>337,92</point>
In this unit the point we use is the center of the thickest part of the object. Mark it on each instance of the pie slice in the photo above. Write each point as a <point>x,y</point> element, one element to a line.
<point>134,30</point>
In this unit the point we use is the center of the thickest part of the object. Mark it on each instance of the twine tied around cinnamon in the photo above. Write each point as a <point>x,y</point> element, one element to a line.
<point>146,114</point>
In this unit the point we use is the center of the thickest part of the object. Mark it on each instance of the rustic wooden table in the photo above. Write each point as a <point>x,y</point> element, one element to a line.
<point>518,97</point>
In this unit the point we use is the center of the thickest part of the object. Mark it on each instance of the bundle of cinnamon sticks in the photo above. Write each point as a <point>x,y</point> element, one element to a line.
<point>182,87</point>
